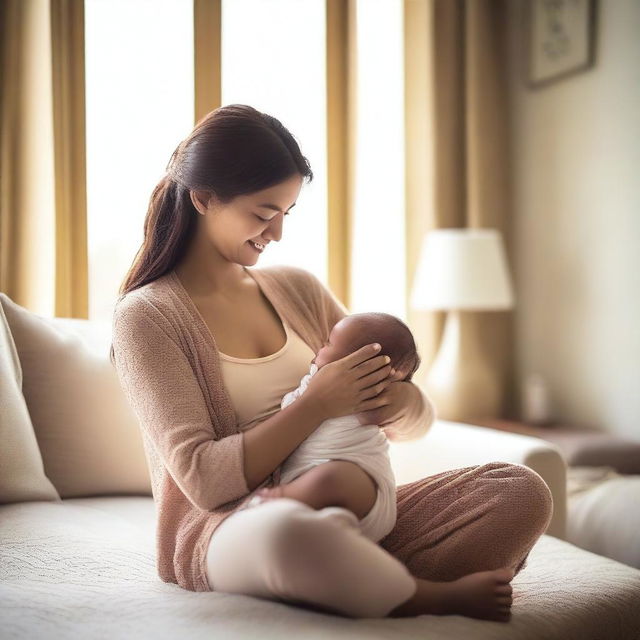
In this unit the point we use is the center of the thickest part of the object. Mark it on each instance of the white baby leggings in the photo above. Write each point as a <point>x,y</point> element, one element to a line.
<point>284,550</point>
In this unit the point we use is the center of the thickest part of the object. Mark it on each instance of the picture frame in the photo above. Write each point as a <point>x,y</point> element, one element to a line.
<point>560,39</point>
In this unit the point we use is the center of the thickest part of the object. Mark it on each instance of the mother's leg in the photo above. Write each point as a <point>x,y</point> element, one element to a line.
<point>284,550</point>
<point>470,519</point>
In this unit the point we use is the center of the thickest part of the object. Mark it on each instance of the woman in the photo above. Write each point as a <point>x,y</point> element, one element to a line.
<point>212,426</point>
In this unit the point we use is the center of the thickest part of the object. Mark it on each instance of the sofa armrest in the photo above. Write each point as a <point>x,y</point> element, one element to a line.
<point>451,445</point>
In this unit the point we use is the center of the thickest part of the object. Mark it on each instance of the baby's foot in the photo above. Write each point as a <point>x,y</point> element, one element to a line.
<point>270,493</point>
<point>484,594</point>
<point>263,495</point>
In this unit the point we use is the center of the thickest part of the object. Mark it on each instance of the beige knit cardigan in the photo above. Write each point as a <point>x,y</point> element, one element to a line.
<point>168,365</point>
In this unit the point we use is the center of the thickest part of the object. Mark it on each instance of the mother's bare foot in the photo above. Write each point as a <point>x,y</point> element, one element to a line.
<point>484,594</point>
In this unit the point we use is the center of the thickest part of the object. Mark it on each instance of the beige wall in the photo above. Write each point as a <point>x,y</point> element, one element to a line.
<point>576,178</point>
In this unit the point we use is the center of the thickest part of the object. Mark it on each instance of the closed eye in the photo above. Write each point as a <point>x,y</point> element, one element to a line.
<point>267,219</point>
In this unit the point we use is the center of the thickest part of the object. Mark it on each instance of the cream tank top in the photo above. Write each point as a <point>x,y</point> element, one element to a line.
<point>257,385</point>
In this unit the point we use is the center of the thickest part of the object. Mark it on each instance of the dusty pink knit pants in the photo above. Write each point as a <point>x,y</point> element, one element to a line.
<point>449,525</point>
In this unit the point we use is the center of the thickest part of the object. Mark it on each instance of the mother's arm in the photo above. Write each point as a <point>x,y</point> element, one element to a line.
<point>417,417</point>
<point>165,394</point>
<point>410,413</point>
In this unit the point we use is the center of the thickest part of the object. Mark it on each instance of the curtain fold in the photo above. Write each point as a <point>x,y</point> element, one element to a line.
<point>341,45</point>
<point>43,228</point>
<point>457,154</point>
<point>207,49</point>
<point>69,149</point>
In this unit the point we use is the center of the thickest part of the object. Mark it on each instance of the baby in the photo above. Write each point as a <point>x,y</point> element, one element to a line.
<point>345,461</point>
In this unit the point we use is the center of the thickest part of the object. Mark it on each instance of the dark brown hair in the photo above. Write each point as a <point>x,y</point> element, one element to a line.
<point>233,150</point>
<point>393,335</point>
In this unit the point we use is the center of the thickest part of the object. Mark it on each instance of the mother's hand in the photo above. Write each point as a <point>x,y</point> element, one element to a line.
<point>399,397</point>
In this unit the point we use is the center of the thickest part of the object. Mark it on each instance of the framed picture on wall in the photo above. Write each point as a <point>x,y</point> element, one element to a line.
<point>560,39</point>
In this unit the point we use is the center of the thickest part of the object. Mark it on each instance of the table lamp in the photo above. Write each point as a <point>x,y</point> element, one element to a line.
<point>462,270</point>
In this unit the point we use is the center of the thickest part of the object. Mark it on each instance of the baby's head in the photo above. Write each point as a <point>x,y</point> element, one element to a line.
<point>359,329</point>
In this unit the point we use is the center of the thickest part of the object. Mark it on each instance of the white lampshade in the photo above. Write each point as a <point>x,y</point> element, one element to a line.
<point>463,269</point>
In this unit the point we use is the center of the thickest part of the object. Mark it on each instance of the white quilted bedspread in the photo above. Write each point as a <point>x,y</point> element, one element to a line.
<point>85,568</point>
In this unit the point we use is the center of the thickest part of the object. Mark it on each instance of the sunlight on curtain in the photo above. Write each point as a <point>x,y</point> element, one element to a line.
<point>139,84</point>
<point>275,62</point>
<point>378,251</point>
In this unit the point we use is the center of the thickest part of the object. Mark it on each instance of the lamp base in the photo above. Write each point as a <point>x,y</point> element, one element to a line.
<point>461,383</point>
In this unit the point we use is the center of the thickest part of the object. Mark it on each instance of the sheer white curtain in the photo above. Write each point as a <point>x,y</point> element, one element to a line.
<point>139,106</point>
<point>378,259</point>
<point>273,58</point>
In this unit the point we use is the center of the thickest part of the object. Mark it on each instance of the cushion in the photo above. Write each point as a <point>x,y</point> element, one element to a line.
<point>85,568</point>
<point>22,475</point>
<point>604,513</point>
<point>88,435</point>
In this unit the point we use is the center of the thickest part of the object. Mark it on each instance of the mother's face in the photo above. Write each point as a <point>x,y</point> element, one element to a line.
<point>232,228</point>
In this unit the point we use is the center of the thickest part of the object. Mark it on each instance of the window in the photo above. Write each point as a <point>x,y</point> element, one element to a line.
<point>139,97</point>
<point>140,103</point>
<point>378,251</point>
<point>275,62</point>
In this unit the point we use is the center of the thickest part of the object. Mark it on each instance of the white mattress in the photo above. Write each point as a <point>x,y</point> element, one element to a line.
<point>85,568</point>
